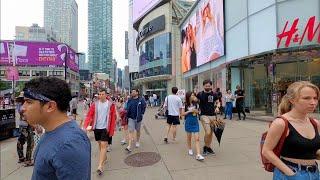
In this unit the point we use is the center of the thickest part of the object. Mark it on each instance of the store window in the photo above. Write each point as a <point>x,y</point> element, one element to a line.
<point>155,56</point>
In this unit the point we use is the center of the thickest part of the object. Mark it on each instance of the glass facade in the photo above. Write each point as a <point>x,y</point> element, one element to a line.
<point>155,56</point>
<point>100,35</point>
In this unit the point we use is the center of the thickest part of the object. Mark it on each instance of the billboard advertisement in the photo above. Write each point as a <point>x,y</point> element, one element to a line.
<point>38,54</point>
<point>202,35</point>
<point>142,7</point>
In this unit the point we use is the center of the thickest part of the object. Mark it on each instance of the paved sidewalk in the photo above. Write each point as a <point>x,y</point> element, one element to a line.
<point>237,157</point>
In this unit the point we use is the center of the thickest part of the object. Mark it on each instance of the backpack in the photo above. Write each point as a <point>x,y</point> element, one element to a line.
<point>268,166</point>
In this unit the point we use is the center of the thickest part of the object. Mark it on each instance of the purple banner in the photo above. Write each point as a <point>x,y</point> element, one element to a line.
<point>38,54</point>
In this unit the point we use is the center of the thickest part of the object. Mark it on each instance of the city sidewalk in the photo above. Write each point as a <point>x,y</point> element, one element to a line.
<point>237,157</point>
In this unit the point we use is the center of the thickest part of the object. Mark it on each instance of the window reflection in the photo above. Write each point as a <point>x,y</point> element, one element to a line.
<point>155,56</point>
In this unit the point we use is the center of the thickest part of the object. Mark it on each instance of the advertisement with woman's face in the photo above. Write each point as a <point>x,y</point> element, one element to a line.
<point>202,37</point>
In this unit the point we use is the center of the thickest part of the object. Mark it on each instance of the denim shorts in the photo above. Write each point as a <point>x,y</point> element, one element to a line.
<point>299,175</point>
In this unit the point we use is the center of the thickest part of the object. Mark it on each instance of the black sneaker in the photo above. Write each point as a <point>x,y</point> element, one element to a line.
<point>165,140</point>
<point>205,151</point>
<point>210,151</point>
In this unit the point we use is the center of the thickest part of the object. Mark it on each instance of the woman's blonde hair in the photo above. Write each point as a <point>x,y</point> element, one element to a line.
<point>293,92</point>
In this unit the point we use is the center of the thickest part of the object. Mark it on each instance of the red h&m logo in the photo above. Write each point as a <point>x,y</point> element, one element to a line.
<point>291,34</point>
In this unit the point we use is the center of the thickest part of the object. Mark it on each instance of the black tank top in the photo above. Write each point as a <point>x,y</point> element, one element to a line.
<point>298,147</point>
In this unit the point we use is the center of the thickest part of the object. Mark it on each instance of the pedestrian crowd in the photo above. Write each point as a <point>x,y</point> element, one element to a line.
<point>64,149</point>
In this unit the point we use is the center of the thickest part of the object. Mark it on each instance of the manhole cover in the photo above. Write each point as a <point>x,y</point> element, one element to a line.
<point>142,159</point>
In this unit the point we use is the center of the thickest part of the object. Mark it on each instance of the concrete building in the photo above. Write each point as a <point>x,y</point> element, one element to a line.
<point>100,35</point>
<point>158,45</point>
<point>61,17</point>
<point>34,33</point>
<point>268,45</point>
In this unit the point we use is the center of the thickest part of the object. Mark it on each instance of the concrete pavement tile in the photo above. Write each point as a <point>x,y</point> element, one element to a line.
<point>229,172</point>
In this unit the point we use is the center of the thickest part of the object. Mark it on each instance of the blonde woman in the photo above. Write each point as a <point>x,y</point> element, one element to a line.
<point>301,146</point>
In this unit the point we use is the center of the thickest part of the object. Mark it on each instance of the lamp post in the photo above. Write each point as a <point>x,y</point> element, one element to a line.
<point>65,64</point>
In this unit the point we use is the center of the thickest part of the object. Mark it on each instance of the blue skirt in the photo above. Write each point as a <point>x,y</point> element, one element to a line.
<point>191,124</point>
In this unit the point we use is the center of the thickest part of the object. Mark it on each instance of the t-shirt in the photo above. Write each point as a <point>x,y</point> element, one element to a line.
<point>64,153</point>
<point>207,103</point>
<point>239,92</point>
<point>174,105</point>
<point>102,119</point>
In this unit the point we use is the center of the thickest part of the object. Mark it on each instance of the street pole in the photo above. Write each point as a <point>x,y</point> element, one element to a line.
<point>65,65</point>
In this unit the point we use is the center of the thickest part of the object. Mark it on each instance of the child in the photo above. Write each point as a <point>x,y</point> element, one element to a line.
<point>191,123</point>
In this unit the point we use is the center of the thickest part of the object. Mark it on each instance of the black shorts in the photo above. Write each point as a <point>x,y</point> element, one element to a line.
<point>101,135</point>
<point>74,111</point>
<point>173,120</point>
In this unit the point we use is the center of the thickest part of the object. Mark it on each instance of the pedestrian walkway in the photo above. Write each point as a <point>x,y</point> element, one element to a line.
<point>236,158</point>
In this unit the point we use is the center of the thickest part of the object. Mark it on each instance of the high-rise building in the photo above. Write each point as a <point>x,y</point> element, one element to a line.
<point>119,78</point>
<point>34,33</point>
<point>126,45</point>
<point>83,65</point>
<point>125,78</point>
<point>61,17</point>
<point>113,72</point>
<point>100,35</point>
<point>133,55</point>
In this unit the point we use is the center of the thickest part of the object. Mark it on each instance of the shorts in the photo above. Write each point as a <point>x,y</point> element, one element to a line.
<point>206,121</point>
<point>133,124</point>
<point>74,111</point>
<point>173,120</point>
<point>101,135</point>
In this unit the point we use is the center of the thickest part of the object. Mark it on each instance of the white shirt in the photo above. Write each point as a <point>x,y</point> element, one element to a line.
<point>102,119</point>
<point>174,105</point>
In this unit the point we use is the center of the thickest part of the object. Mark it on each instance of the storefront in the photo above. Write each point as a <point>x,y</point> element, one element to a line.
<point>157,43</point>
<point>268,46</point>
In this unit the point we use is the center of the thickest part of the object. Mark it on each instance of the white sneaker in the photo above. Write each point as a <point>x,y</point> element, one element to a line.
<point>199,157</point>
<point>123,142</point>
<point>137,144</point>
<point>109,148</point>
<point>190,152</point>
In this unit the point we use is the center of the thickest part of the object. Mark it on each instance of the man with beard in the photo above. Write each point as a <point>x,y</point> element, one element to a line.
<point>64,151</point>
<point>209,106</point>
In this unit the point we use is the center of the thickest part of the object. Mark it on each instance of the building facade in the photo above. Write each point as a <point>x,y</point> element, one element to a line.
<point>83,65</point>
<point>61,17</point>
<point>119,82</point>
<point>34,33</point>
<point>126,45</point>
<point>100,35</point>
<point>158,45</point>
<point>125,78</point>
<point>268,45</point>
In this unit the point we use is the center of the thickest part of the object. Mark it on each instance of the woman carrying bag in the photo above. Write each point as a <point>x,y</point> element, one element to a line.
<point>302,142</point>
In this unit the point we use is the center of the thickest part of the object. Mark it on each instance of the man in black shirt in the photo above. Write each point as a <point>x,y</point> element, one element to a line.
<point>240,102</point>
<point>209,106</point>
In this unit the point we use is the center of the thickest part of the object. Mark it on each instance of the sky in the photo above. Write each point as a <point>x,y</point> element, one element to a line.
<point>26,12</point>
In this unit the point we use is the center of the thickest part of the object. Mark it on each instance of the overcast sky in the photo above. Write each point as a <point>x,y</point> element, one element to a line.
<point>26,12</point>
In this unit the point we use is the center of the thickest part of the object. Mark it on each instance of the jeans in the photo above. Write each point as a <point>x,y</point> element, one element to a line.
<point>299,175</point>
<point>228,110</point>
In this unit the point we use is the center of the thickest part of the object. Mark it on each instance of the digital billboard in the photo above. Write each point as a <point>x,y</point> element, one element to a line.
<point>142,7</point>
<point>202,35</point>
<point>38,54</point>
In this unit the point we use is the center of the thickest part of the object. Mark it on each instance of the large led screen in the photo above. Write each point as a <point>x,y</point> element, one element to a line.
<point>141,7</point>
<point>202,35</point>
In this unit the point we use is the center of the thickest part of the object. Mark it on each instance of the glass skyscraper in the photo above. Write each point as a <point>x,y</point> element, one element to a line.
<point>100,36</point>
<point>61,18</point>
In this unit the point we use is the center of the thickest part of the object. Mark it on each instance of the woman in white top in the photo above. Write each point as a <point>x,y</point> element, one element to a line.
<point>229,98</point>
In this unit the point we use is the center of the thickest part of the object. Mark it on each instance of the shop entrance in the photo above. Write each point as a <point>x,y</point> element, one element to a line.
<point>257,88</point>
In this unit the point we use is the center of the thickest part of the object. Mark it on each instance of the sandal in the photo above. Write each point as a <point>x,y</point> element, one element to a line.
<point>28,163</point>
